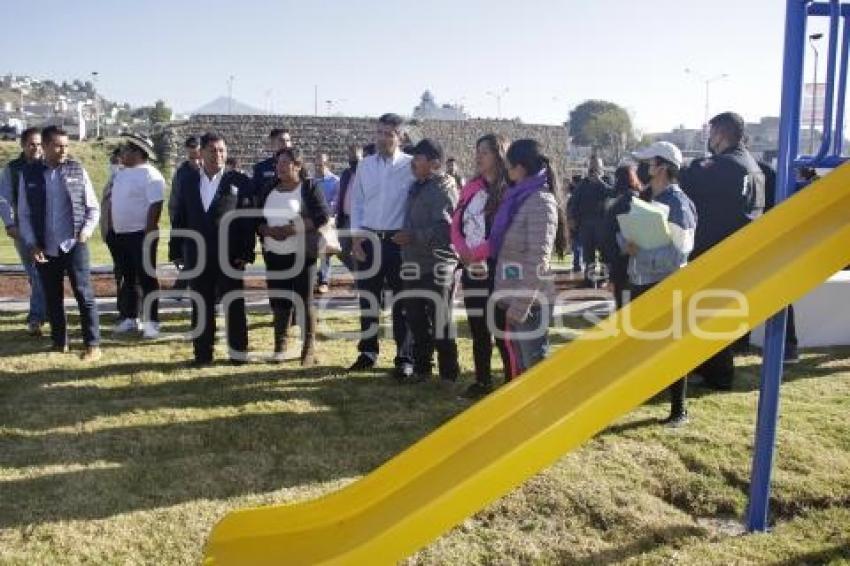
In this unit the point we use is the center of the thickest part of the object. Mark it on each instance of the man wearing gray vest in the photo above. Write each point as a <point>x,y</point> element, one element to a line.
<point>58,212</point>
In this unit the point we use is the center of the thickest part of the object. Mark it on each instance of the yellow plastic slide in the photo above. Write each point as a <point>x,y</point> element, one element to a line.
<point>524,427</point>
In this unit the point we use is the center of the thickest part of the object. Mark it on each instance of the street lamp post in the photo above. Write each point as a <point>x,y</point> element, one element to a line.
<point>498,94</point>
<point>812,38</point>
<point>94,76</point>
<point>707,81</point>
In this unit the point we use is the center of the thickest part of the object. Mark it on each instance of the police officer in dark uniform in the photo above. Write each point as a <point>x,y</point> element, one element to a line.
<point>728,190</point>
<point>264,172</point>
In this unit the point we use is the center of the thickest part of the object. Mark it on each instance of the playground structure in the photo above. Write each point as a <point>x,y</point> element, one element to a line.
<point>525,426</point>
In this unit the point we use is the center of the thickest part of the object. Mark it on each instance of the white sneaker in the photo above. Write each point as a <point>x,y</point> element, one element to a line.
<point>126,325</point>
<point>150,330</point>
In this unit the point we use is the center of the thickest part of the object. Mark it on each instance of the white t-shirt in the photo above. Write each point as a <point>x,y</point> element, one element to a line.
<point>281,208</point>
<point>474,220</point>
<point>134,190</point>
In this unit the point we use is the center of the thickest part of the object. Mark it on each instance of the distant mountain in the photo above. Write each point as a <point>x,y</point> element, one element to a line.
<point>223,105</point>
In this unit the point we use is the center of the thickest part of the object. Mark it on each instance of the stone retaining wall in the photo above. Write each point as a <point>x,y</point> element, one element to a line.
<point>246,136</point>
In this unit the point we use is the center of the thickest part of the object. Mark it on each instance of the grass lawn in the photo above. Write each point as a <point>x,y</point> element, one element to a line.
<point>133,459</point>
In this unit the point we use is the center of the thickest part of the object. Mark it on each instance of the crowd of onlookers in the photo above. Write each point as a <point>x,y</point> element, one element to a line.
<point>417,230</point>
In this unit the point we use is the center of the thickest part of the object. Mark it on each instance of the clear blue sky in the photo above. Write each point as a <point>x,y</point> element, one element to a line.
<point>380,56</point>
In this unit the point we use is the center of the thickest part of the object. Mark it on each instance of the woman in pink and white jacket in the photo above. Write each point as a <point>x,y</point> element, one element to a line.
<point>479,200</point>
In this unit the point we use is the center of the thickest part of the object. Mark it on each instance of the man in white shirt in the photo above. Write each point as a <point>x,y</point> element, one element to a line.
<point>378,202</point>
<point>138,191</point>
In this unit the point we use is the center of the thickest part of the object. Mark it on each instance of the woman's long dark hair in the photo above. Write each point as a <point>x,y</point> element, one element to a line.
<point>529,154</point>
<point>498,145</point>
<point>626,179</point>
<point>297,157</point>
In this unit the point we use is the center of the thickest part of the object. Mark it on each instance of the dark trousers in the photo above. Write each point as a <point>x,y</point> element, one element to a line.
<point>129,260</point>
<point>743,343</point>
<point>388,276</point>
<point>429,313</point>
<point>211,284</point>
<point>592,236</point>
<point>124,310</point>
<point>575,246</point>
<point>76,264</point>
<point>621,289</point>
<point>299,284</point>
<point>476,299</point>
<point>679,390</point>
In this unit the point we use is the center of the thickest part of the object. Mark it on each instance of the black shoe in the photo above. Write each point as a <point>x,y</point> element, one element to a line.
<point>404,373</point>
<point>792,356</point>
<point>477,390</point>
<point>199,363</point>
<point>236,362</point>
<point>363,362</point>
<point>676,421</point>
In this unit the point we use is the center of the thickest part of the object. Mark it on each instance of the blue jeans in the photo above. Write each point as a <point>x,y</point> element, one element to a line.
<point>325,270</point>
<point>575,244</point>
<point>76,264</point>
<point>38,308</point>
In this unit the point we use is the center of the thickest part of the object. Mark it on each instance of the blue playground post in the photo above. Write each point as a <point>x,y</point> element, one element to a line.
<point>797,12</point>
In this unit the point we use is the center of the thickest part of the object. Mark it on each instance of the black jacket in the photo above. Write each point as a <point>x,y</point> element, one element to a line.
<point>617,261</point>
<point>176,184</point>
<point>769,185</point>
<point>587,202</point>
<point>235,192</point>
<point>315,208</point>
<point>728,192</point>
<point>264,174</point>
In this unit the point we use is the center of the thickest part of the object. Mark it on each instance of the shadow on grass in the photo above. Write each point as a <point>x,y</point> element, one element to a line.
<point>813,364</point>
<point>654,539</point>
<point>833,554</point>
<point>293,428</point>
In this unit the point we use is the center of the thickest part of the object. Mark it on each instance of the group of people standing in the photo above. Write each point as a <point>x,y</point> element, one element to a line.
<point>708,201</point>
<point>414,223</point>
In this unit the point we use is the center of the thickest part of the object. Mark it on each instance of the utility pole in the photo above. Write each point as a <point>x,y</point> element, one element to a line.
<point>707,82</point>
<point>812,38</point>
<point>498,94</point>
<point>316,100</point>
<point>94,76</point>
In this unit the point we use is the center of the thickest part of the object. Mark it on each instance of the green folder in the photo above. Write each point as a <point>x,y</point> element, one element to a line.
<point>646,224</point>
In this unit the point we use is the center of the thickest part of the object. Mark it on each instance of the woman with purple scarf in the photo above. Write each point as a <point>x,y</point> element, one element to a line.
<point>529,225</point>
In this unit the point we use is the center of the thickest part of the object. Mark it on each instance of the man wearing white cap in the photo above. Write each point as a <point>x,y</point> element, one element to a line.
<point>648,267</point>
<point>137,194</point>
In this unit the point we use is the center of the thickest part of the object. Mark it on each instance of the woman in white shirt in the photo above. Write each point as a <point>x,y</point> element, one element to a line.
<point>291,212</point>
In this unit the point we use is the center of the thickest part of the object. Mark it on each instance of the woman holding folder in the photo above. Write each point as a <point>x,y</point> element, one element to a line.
<point>656,251</point>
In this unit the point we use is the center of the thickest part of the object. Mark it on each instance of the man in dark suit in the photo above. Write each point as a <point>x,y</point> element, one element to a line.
<point>206,203</point>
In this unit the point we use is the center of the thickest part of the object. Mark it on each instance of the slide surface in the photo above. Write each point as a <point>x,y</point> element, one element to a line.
<point>527,425</point>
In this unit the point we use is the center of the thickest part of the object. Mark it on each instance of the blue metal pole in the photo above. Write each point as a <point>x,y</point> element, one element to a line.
<point>774,340</point>
<point>838,140</point>
<point>829,90</point>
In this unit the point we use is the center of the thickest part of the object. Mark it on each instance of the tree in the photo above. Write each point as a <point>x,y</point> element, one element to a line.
<point>601,124</point>
<point>160,114</point>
